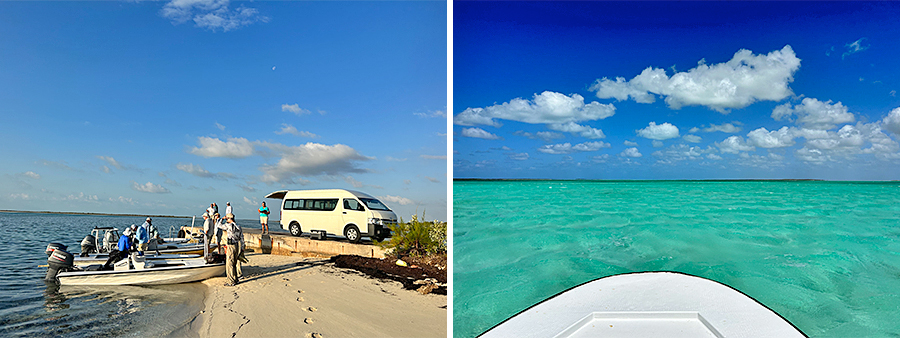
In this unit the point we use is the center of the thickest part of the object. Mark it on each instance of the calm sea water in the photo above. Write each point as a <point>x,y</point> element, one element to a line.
<point>31,308</point>
<point>824,255</point>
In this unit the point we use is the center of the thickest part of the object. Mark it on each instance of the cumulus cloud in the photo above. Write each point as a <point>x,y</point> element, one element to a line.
<point>310,159</point>
<point>294,108</point>
<point>396,199</point>
<point>574,128</point>
<point>741,81</point>
<point>682,152</point>
<point>149,187</point>
<point>212,147</point>
<point>814,114</point>
<point>891,122</point>
<point>214,15</point>
<point>692,138</point>
<point>289,129</point>
<point>545,108</point>
<point>112,162</point>
<point>631,152</point>
<point>82,197</point>
<point>659,132</point>
<point>546,136</point>
<point>479,133</point>
<point>31,174</point>
<point>630,143</point>
<point>734,145</point>
<point>438,114</point>
<point>434,157</point>
<point>763,138</point>
<point>568,148</point>
<point>729,128</point>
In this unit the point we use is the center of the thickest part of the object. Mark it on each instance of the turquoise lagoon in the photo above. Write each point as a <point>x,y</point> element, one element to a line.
<point>824,255</point>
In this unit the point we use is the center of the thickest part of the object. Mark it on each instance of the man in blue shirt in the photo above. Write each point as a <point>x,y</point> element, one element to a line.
<point>122,251</point>
<point>143,236</point>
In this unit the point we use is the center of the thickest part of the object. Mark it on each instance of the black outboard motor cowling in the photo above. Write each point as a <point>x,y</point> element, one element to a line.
<point>54,246</point>
<point>59,261</point>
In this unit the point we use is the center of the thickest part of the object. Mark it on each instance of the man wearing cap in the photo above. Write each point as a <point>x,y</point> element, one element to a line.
<point>123,248</point>
<point>143,236</point>
<point>235,240</point>
<point>228,208</point>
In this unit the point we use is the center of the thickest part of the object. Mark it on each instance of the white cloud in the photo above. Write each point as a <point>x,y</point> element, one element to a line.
<point>814,114</point>
<point>250,202</point>
<point>289,129</point>
<point>568,148</point>
<point>630,143</point>
<point>763,138</point>
<point>518,156</point>
<point>546,136</point>
<point>734,145</point>
<point>812,155</point>
<point>294,108</point>
<point>631,152</point>
<point>195,170</point>
<point>891,122</point>
<point>220,126</point>
<point>211,14</point>
<point>396,199</point>
<point>432,179</point>
<point>479,133</point>
<point>725,128</point>
<point>123,199</point>
<point>692,138</point>
<point>149,187</point>
<point>82,197</point>
<point>657,144</point>
<point>112,162</point>
<point>352,181</point>
<point>659,132</point>
<point>213,147</point>
<point>600,158</point>
<point>546,108</point>
<point>854,47</point>
<point>574,128</point>
<point>434,157</point>
<point>20,196</point>
<point>31,174</point>
<point>437,114</point>
<point>743,80</point>
<point>310,159</point>
<point>681,152</point>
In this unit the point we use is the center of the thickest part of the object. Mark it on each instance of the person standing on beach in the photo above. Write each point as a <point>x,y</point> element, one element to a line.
<point>228,210</point>
<point>210,211</point>
<point>264,218</point>
<point>215,208</point>
<point>233,232</point>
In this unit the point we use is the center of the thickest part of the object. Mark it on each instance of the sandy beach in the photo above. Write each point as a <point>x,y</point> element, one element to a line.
<point>290,296</point>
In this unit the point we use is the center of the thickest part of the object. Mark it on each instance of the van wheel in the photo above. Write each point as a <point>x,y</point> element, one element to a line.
<point>295,229</point>
<point>352,234</point>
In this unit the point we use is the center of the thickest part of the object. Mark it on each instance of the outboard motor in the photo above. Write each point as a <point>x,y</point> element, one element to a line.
<point>59,260</point>
<point>54,246</point>
<point>88,245</point>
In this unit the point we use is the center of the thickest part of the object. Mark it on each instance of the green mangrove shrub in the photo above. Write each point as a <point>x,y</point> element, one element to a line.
<point>416,238</point>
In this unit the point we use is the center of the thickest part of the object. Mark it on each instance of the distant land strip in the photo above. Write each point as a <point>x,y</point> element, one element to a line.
<point>673,180</point>
<point>90,213</point>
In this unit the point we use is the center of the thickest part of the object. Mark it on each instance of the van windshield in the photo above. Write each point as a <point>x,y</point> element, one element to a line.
<point>374,204</point>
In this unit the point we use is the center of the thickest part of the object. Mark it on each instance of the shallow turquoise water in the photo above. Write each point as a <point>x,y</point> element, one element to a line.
<point>824,255</point>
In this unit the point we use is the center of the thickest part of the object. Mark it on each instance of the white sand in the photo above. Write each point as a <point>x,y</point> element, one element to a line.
<point>279,298</point>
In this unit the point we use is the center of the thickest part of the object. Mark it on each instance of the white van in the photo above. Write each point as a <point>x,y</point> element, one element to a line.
<point>334,211</point>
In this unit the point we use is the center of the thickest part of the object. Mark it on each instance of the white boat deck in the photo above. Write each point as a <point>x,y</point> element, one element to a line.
<point>650,304</point>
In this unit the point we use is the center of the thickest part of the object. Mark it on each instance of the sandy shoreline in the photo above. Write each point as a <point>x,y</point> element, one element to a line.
<point>289,296</point>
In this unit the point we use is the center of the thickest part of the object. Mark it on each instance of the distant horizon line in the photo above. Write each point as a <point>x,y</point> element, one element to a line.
<point>96,214</point>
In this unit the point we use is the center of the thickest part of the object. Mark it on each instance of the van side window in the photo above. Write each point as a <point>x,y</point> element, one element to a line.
<point>352,204</point>
<point>293,204</point>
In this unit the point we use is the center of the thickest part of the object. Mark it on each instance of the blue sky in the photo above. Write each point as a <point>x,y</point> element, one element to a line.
<point>676,90</point>
<point>163,107</point>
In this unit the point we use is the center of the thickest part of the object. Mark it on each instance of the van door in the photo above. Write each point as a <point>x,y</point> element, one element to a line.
<point>354,212</point>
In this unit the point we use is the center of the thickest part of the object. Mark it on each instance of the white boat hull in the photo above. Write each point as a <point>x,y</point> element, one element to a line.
<point>649,304</point>
<point>150,276</point>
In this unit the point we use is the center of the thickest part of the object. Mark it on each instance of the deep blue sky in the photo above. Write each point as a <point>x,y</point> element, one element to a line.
<point>820,78</point>
<point>163,107</point>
